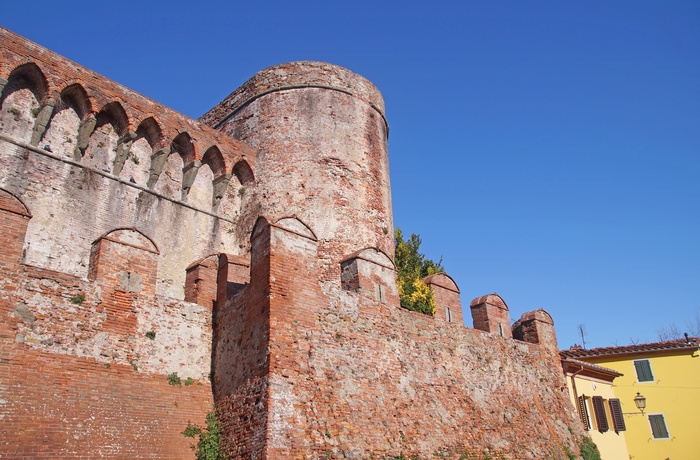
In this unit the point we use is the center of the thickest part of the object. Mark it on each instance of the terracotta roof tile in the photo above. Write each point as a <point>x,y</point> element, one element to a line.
<point>679,344</point>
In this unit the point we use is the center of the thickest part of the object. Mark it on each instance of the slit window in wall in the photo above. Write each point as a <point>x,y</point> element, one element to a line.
<point>658,426</point>
<point>500,330</point>
<point>600,416</point>
<point>643,369</point>
<point>448,314</point>
<point>381,295</point>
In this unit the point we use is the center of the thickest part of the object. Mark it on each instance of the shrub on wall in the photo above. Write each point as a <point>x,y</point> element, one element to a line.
<point>412,267</point>
<point>209,444</point>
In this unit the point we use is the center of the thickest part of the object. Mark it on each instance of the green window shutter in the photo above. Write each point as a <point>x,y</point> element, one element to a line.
<point>600,417</point>
<point>617,418</point>
<point>582,413</point>
<point>643,368</point>
<point>658,426</point>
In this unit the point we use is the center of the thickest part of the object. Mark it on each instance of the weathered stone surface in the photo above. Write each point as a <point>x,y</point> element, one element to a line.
<point>136,243</point>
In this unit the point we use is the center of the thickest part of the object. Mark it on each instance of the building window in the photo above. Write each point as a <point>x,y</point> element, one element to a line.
<point>601,419</point>
<point>583,412</point>
<point>616,412</point>
<point>658,426</point>
<point>500,329</point>
<point>448,314</point>
<point>643,368</point>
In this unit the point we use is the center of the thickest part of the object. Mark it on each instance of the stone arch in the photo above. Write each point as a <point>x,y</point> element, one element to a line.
<point>229,189</point>
<point>375,255</point>
<point>111,122</point>
<point>14,217</point>
<point>215,160</point>
<point>61,135</point>
<point>150,130</point>
<point>243,172</point>
<point>20,101</point>
<point>114,114</point>
<point>124,261</point>
<point>75,97</point>
<point>295,225</point>
<point>26,76</point>
<point>135,152</point>
<point>12,203</point>
<point>182,144</point>
<point>260,224</point>
<point>131,236</point>
<point>444,280</point>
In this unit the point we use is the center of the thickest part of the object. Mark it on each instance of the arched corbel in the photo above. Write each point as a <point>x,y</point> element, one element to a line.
<point>220,185</point>
<point>42,120</point>
<point>158,160</point>
<point>87,126</point>
<point>123,147</point>
<point>189,173</point>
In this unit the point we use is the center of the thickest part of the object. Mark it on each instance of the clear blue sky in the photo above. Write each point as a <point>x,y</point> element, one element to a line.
<point>549,151</point>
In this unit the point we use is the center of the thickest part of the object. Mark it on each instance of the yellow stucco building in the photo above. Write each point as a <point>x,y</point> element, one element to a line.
<point>593,397</point>
<point>667,377</point>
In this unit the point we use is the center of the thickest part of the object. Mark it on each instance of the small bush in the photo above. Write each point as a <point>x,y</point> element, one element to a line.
<point>189,381</point>
<point>151,335</point>
<point>589,451</point>
<point>209,444</point>
<point>78,299</point>
<point>174,379</point>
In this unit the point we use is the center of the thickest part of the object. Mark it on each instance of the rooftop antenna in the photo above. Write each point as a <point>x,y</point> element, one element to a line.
<point>687,340</point>
<point>582,331</point>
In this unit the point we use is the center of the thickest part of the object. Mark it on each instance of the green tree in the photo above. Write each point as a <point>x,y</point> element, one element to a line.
<point>412,267</point>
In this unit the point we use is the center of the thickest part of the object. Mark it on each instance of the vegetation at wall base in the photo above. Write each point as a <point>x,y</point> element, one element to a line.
<point>209,443</point>
<point>412,267</point>
<point>589,451</point>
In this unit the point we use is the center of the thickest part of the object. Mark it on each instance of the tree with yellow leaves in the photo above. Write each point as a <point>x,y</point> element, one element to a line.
<point>412,267</point>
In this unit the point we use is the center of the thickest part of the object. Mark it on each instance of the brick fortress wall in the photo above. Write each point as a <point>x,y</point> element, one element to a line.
<point>110,208</point>
<point>315,359</point>
<point>259,251</point>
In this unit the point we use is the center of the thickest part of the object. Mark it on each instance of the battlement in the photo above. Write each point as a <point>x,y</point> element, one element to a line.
<point>251,251</point>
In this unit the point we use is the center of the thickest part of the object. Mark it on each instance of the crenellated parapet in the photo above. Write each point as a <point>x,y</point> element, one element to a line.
<point>490,313</point>
<point>536,327</point>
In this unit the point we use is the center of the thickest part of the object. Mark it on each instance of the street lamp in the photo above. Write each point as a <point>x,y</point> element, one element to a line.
<point>640,401</point>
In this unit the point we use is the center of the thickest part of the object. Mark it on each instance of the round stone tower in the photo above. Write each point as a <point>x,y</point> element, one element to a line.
<point>321,137</point>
